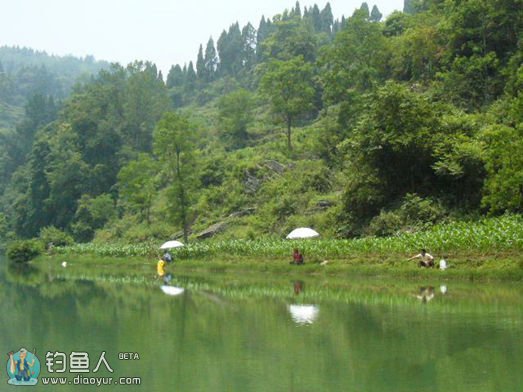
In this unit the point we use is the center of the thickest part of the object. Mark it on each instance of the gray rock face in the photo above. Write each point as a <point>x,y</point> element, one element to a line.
<point>251,182</point>
<point>275,166</point>
<point>244,212</point>
<point>212,230</point>
<point>324,204</point>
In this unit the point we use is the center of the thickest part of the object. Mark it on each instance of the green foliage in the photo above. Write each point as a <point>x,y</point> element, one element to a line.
<point>493,234</point>
<point>230,49</point>
<point>137,185</point>
<point>482,35</point>
<point>39,111</point>
<point>393,125</point>
<point>51,236</point>
<point>24,250</point>
<point>211,60</point>
<point>138,233</point>
<point>394,142</point>
<point>25,72</point>
<point>504,165</point>
<point>395,24</point>
<point>288,85</point>
<point>375,14</point>
<point>414,214</point>
<point>355,60</point>
<point>285,199</point>
<point>145,101</point>
<point>235,115</point>
<point>472,82</point>
<point>291,38</point>
<point>174,147</point>
<point>92,213</point>
<point>363,198</point>
<point>416,51</point>
<point>459,162</point>
<point>105,122</point>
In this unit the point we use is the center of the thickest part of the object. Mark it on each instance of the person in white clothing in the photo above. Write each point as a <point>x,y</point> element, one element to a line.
<point>425,259</point>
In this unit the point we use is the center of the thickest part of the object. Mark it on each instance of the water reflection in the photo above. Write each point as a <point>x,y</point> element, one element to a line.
<point>298,286</point>
<point>302,314</point>
<point>22,272</point>
<point>253,343</point>
<point>168,288</point>
<point>426,294</point>
<point>172,290</point>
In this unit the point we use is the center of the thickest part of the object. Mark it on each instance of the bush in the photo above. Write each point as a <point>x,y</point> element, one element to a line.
<point>50,235</point>
<point>423,212</point>
<point>157,231</point>
<point>92,213</point>
<point>414,214</point>
<point>24,250</point>
<point>387,223</point>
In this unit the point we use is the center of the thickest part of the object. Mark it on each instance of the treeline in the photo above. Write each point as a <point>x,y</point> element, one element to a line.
<point>389,126</point>
<point>239,50</point>
<point>25,72</point>
<point>34,83</point>
<point>74,156</point>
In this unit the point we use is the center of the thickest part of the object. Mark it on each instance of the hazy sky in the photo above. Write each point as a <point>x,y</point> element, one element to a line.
<point>166,32</point>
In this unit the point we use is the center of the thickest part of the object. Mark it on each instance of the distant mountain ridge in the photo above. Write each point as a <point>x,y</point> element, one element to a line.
<point>14,58</point>
<point>25,72</point>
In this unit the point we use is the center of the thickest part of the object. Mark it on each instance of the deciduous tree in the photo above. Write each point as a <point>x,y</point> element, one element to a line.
<point>174,148</point>
<point>289,87</point>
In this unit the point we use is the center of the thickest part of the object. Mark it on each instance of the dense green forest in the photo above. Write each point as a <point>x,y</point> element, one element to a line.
<point>25,73</point>
<point>355,126</point>
<point>32,86</point>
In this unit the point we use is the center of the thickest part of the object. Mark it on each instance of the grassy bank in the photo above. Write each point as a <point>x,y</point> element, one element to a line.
<point>503,266</point>
<point>487,236</point>
<point>487,248</point>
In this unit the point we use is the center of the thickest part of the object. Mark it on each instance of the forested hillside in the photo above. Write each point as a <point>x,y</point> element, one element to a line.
<point>357,126</point>
<point>25,73</point>
<point>32,86</point>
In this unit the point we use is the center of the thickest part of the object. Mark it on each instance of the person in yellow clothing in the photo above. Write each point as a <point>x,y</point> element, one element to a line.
<point>160,268</point>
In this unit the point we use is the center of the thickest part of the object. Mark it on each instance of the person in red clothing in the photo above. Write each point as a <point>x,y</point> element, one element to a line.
<point>297,257</point>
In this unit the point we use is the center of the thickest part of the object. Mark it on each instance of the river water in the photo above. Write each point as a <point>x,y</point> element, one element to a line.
<point>261,333</point>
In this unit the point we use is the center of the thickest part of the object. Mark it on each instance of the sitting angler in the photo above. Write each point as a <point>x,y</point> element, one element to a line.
<point>425,259</point>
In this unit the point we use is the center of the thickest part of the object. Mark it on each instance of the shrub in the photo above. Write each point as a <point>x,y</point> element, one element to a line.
<point>414,214</point>
<point>422,212</point>
<point>92,213</point>
<point>24,250</point>
<point>142,232</point>
<point>50,235</point>
<point>385,224</point>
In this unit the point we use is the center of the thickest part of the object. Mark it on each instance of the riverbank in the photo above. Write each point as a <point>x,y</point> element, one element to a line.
<point>502,266</point>
<point>487,249</point>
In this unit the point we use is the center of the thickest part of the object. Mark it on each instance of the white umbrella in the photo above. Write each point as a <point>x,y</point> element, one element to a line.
<point>302,232</point>
<point>171,244</point>
<point>171,290</point>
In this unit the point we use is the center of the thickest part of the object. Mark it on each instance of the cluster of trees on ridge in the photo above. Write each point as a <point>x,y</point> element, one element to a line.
<point>388,125</point>
<point>32,86</point>
<point>25,73</point>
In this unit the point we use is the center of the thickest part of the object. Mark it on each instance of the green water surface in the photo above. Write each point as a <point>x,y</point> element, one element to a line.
<point>265,332</point>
